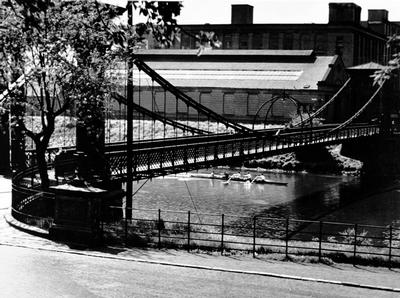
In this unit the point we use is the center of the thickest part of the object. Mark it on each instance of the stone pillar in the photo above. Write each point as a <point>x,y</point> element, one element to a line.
<point>79,211</point>
<point>90,140</point>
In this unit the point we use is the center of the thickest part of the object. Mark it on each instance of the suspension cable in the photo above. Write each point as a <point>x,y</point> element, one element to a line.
<point>321,109</point>
<point>194,205</point>
<point>140,187</point>
<point>358,113</point>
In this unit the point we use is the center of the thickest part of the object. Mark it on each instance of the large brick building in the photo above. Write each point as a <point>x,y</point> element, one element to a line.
<point>235,83</point>
<point>345,34</point>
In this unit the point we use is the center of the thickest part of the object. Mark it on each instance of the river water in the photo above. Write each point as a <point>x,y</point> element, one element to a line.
<point>306,196</point>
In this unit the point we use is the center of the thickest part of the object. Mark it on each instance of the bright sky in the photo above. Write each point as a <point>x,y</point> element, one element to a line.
<point>277,11</point>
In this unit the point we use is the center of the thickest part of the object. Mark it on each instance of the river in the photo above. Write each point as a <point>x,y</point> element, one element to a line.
<point>306,196</point>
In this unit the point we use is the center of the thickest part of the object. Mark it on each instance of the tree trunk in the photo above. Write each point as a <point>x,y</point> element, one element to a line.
<point>42,164</point>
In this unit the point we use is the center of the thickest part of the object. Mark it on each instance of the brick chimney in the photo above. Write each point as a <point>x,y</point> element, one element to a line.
<point>378,15</point>
<point>344,13</point>
<point>242,14</point>
<point>378,21</point>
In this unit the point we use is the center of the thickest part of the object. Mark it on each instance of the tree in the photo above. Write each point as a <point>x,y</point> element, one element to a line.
<point>66,48</point>
<point>393,66</point>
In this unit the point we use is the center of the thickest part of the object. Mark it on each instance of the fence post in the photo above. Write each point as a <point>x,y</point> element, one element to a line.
<point>222,233</point>
<point>159,228</point>
<point>126,227</point>
<point>320,242</point>
<point>188,231</point>
<point>390,245</point>
<point>254,236</point>
<point>287,237</point>
<point>355,243</point>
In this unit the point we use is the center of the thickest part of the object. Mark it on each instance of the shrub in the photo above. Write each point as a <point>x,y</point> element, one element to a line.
<point>349,234</point>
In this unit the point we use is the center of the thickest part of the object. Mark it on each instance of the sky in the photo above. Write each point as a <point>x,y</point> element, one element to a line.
<point>277,11</point>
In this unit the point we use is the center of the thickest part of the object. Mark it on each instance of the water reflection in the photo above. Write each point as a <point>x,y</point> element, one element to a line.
<point>306,196</point>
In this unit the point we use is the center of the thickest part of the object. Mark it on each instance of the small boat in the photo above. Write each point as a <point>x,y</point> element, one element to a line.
<point>267,181</point>
<point>208,176</point>
<point>235,178</point>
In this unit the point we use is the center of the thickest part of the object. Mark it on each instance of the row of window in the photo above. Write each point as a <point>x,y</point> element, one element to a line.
<point>228,103</point>
<point>272,40</point>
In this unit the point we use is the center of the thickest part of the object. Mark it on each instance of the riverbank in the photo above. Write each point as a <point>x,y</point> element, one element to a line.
<point>326,160</point>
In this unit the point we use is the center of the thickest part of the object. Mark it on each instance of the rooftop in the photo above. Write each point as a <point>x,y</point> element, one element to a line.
<point>210,52</point>
<point>367,66</point>
<point>270,70</point>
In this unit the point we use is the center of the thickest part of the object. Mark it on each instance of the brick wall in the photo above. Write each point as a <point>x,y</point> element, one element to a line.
<point>234,104</point>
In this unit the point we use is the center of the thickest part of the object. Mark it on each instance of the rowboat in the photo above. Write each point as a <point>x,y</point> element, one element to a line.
<point>239,179</point>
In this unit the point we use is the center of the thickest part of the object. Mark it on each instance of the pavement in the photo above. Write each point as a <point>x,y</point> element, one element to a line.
<point>375,281</point>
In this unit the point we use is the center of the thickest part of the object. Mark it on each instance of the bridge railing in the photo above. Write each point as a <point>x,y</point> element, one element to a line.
<point>30,204</point>
<point>160,158</point>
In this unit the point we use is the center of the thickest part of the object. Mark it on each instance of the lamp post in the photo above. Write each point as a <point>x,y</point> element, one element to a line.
<point>129,108</point>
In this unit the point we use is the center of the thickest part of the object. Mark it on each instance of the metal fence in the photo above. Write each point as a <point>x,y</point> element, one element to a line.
<point>259,235</point>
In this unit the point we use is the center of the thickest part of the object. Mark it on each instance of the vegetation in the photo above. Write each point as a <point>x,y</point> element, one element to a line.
<point>64,49</point>
<point>270,242</point>
<point>393,65</point>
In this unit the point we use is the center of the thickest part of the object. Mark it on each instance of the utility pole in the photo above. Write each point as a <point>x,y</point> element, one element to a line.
<point>129,108</point>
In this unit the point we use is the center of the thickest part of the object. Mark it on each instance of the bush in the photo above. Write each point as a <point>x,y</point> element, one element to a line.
<point>349,234</point>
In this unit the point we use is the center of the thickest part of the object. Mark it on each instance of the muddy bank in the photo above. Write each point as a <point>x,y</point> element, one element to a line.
<point>321,160</point>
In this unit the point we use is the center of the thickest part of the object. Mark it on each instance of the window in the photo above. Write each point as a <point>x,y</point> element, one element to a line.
<point>228,104</point>
<point>306,43</point>
<point>288,41</point>
<point>227,41</point>
<point>243,41</point>
<point>257,41</point>
<point>321,44</point>
<point>274,41</point>
<point>206,99</point>
<point>339,45</point>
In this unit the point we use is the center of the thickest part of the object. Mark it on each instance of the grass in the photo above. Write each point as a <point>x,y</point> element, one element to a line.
<point>116,130</point>
<point>338,248</point>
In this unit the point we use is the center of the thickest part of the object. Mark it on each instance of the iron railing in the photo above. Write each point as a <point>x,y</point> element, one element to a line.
<point>157,158</point>
<point>259,235</point>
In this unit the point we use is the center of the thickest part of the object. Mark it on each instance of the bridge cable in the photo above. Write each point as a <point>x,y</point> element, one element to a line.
<point>321,109</point>
<point>187,99</point>
<point>194,205</point>
<point>140,187</point>
<point>358,113</point>
<point>157,116</point>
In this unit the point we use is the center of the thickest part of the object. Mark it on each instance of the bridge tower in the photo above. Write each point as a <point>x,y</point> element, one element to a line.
<point>385,108</point>
<point>380,154</point>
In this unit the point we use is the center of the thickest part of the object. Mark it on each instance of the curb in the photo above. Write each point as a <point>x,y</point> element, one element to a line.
<point>25,228</point>
<point>218,269</point>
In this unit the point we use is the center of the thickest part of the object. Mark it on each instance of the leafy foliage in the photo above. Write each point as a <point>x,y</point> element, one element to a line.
<point>393,65</point>
<point>65,49</point>
<point>348,236</point>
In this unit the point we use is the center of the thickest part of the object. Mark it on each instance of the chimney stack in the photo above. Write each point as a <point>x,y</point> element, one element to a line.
<point>242,14</point>
<point>344,13</point>
<point>378,15</point>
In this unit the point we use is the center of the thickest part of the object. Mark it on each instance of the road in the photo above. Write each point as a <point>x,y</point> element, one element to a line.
<point>26,272</point>
<point>36,267</point>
